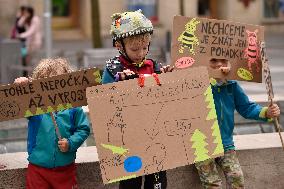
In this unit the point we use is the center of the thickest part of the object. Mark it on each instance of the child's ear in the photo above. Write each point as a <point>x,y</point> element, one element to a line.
<point>118,45</point>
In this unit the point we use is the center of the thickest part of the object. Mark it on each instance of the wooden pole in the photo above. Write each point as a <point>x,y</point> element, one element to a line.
<point>55,126</point>
<point>268,84</point>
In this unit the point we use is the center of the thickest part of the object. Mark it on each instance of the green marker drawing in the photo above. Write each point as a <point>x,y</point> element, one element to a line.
<point>68,106</point>
<point>199,143</point>
<point>60,107</point>
<point>39,111</point>
<point>217,139</point>
<point>115,149</point>
<point>49,109</point>
<point>28,113</point>
<point>97,76</point>
<point>122,178</point>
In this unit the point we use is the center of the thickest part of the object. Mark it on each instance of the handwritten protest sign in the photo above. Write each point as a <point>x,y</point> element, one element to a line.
<point>197,40</point>
<point>140,131</point>
<point>46,95</point>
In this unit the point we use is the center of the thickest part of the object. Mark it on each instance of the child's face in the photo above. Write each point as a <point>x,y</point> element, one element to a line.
<point>218,63</point>
<point>137,48</point>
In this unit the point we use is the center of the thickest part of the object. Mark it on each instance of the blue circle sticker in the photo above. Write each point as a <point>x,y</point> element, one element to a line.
<point>132,164</point>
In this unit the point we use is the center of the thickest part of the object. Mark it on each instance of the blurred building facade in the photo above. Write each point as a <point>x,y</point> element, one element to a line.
<point>72,18</point>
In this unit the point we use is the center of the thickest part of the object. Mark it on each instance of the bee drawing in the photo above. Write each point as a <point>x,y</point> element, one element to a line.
<point>252,50</point>
<point>188,38</point>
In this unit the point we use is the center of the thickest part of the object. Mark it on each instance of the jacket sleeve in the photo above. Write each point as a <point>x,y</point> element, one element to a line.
<point>156,67</point>
<point>248,109</point>
<point>107,77</point>
<point>81,132</point>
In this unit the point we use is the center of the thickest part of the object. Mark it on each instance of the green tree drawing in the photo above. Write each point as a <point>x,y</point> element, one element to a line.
<point>199,143</point>
<point>28,113</point>
<point>49,109</point>
<point>39,111</point>
<point>213,116</point>
<point>68,106</point>
<point>209,98</point>
<point>60,107</point>
<point>218,140</point>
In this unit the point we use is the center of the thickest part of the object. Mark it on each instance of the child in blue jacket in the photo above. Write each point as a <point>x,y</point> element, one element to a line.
<point>228,97</point>
<point>52,160</point>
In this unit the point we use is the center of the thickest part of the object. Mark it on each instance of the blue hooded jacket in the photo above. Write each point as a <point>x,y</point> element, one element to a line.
<point>228,98</point>
<point>43,142</point>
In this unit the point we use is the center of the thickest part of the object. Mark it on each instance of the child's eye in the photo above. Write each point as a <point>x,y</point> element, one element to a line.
<point>213,60</point>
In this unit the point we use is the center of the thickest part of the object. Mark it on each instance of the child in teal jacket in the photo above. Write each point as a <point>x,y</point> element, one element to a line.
<point>52,160</point>
<point>228,97</point>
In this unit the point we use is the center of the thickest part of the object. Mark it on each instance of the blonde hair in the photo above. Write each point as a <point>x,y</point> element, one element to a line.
<point>51,67</point>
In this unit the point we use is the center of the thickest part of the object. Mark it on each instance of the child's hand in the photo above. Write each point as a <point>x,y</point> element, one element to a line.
<point>225,70</point>
<point>21,80</point>
<point>273,111</point>
<point>126,74</point>
<point>167,68</point>
<point>63,145</point>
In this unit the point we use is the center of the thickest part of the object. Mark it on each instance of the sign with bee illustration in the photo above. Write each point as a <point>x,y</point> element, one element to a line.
<point>197,41</point>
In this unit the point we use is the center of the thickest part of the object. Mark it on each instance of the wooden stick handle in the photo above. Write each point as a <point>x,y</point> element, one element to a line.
<point>55,126</point>
<point>278,127</point>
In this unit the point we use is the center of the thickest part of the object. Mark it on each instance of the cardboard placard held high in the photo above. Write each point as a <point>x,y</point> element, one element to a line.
<point>197,40</point>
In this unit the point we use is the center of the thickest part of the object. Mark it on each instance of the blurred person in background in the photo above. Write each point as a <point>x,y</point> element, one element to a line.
<point>17,29</point>
<point>32,34</point>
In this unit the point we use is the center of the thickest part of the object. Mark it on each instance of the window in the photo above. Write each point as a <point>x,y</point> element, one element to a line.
<point>60,8</point>
<point>149,8</point>
<point>273,8</point>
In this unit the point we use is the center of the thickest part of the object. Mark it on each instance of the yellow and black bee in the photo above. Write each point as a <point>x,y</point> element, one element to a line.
<point>188,38</point>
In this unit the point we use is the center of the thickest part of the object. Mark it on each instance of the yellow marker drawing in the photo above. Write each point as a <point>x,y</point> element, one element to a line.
<point>49,109</point>
<point>39,111</point>
<point>28,113</point>
<point>68,106</point>
<point>115,149</point>
<point>188,38</point>
<point>244,74</point>
<point>97,76</point>
<point>60,107</point>
<point>122,178</point>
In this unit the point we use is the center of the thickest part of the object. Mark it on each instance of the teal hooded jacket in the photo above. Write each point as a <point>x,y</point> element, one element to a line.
<point>43,142</point>
<point>228,98</point>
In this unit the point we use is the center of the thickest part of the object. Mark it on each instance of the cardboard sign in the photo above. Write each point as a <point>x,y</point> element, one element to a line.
<point>196,41</point>
<point>46,95</point>
<point>144,130</point>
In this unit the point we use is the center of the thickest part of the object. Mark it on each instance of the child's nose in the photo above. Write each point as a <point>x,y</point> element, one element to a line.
<point>140,54</point>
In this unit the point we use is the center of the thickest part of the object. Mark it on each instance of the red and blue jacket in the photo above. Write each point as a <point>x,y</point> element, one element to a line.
<point>119,63</point>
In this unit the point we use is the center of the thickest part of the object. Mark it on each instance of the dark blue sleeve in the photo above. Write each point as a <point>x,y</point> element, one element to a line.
<point>107,77</point>
<point>248,109</point>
